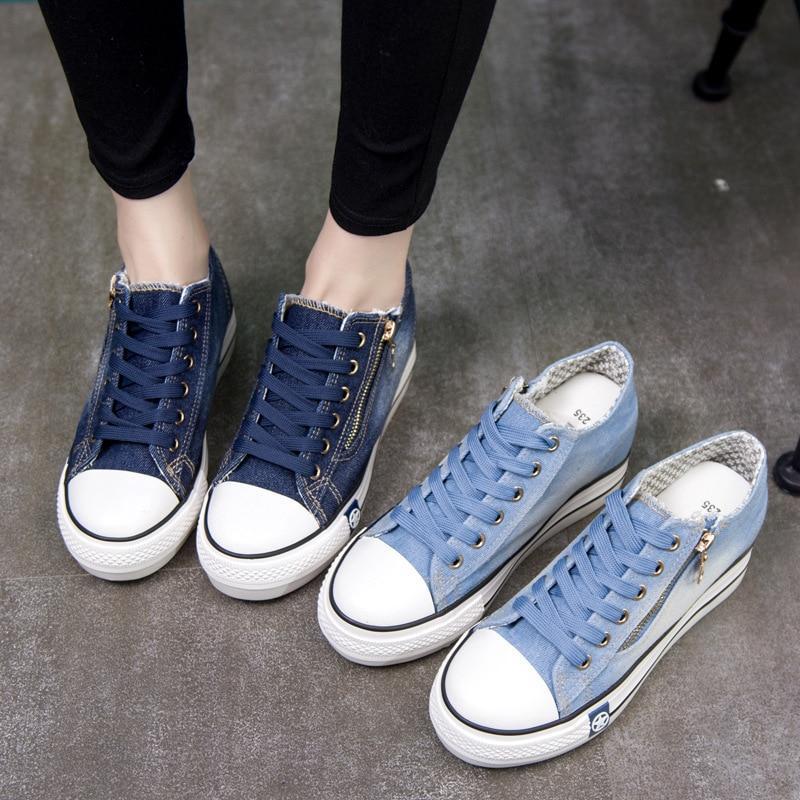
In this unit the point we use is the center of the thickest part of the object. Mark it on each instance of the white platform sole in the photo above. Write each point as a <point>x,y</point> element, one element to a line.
<point>384,647</point>
<point>485,749</point>
<point>129,561</point>
<point>274,576</point>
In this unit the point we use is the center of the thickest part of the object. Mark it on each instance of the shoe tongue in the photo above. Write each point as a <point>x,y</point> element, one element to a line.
<point>300,314</point>
<point>305,315</point>
<point>148,299</point>
<point>506,410</point>
<point>640,511</point>
<point>145,300</point>
<point>647,510</point>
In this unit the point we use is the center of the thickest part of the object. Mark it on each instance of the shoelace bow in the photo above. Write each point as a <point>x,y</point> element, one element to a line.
<point>494,448</point>
<point>140,389</point>
<point>593,567</point>
<point>280,435</point>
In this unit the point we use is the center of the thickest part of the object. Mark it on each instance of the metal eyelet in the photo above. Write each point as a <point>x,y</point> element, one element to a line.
<point>457,563</point>
<point>185,388</point>
<point>480,543</point>
<point>659,568</point>
<point>362,339</point>
<point>181,418</point>
<point>317,472</point>
<point>500,517</point>
<point>641,593</point>
<point>345,394</point>
<point>676,543</point>
<point>336,420</point>
<point>606,639</point>
<point>624,617</point>
<point>326,445</point>
<point>554,443</point>
<point>197,307</point>
<point>194,334</point>
<point>586,662</point>
<point>537,468</point>
<point>175,445</point>
<point>189,359</point>
<point>353,367</point>
<point>518,493</point>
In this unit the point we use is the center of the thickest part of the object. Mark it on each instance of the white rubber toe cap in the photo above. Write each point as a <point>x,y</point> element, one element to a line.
<point>119,504</point>
<point>490,683</point>
<point>376,585</point>
<point>248,520</point>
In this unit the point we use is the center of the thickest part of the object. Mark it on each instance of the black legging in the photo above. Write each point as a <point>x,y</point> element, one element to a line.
<point>406,66</point>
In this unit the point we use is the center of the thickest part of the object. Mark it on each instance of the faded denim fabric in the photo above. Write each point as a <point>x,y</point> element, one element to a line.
<point>582,457</point>
<point>668,596</point>
<point>179,468</point>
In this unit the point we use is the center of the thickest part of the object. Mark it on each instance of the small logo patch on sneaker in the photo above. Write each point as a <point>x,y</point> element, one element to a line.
<point>354,515</point>
<point>599,719</point>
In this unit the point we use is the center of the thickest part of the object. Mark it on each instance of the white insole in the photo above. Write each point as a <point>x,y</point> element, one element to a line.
<point>708,488</point>
<point>581,400</point>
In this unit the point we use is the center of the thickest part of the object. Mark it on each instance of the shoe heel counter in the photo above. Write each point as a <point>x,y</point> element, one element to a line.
<point>221,290</point>
<point>622,426</point>
<point>750,519</point>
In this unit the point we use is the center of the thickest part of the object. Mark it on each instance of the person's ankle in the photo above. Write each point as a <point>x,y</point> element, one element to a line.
<point>356,273</point>
<point>163,238</point>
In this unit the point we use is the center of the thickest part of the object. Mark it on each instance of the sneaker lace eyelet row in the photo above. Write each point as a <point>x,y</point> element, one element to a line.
<point>133,411</point>
<point>293,385</point>
<point>559,603</point>
<point>436,511</point>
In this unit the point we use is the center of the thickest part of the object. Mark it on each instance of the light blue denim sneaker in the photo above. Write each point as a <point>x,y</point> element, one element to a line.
<point>542,456</point>
<point>558,663</point>
<point>135,478</point>
<point>288,494</point>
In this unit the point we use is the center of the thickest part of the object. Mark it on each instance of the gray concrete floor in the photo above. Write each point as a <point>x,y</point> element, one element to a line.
<point>577,202</point>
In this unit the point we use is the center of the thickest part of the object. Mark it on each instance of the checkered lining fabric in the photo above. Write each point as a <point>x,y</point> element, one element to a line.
<point>740,451</point>
<point>609,361</point>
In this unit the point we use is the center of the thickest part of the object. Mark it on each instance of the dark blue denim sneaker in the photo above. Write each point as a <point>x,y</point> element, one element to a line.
<point>135,478</point>
<point>289,492</point>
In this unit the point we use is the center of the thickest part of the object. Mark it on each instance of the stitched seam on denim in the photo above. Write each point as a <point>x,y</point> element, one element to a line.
<point>155,286</point>
<point>318,305</point>
<point>94,398</point>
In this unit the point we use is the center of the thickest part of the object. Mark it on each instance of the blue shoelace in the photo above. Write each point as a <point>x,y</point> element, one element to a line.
<point>135,410</point>
<point>279,435</point>
<point>581,579</point>
<point>489,450</point>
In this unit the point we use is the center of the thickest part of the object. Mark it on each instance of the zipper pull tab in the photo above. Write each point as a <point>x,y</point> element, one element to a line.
<point>701,548</point>
<point>388,337</point>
